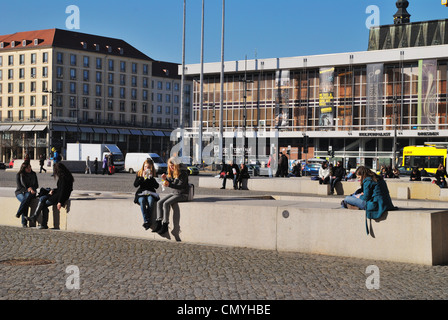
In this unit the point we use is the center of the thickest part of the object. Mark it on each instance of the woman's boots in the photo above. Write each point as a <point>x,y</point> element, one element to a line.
<point>160,228</point>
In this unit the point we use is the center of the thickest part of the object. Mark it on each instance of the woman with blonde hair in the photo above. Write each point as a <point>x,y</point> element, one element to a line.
<point>146,194</point>
<point>176,179</point>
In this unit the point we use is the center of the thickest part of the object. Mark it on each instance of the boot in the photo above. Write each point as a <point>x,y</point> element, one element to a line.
<point>32,218</point>
<point>158,226</point>
<point>164,228</point>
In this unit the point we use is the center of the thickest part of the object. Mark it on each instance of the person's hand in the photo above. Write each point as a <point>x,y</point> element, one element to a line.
<point>163,176</point>
<point>51,192</point>
<point>59,206</point>
<point>166,183</point>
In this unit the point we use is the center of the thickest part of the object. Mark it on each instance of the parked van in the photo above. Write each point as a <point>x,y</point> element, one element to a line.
<point>134,162</point>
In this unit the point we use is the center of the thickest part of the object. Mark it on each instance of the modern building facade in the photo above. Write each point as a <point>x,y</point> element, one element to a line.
<point>356,104</point>
<point>59,87</point>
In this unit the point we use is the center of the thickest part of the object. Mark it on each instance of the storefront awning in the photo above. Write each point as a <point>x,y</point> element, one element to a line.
<point>15,128</point>
<point>124,131</point>
<point>4,128</point>
<point>147,133</point>
<point>158,133</point>
<point>27,128</point>
<point>86,129</point>
<point>59,128</point>
<point>99,130</point>
<point>72,129</point>
<point>136,132</point>
<point>40,127</point>
<point>112,131</point>
<point>167,134</point>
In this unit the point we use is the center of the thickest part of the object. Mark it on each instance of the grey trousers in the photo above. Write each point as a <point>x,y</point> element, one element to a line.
<point>163,206</point>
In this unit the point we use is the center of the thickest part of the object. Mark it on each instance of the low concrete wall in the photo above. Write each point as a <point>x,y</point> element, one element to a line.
<point>416,234</point>
<point>398,188</point>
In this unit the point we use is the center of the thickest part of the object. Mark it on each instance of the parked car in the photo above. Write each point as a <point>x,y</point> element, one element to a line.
<point>193,170</point>
<point>311,169</point>
<point>2,165</point>
<point>253,169</point>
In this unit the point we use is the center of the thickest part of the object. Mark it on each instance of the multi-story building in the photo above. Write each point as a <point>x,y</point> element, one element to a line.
<point>59,87</point>
<point>356,104</point>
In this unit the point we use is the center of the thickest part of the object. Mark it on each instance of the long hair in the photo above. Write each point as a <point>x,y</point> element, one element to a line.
<point>61,171</point>
<point>441,167</point>
<point>365,172</point>
<point>173,173</point>
<point>151,168</point>
<point>24,166</point>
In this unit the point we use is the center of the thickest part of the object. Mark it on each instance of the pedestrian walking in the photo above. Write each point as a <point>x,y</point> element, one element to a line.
<point>27,185</point>
<point>282,170</point>
<point>87,171</point>
<point>42,163</point>
<point>95,165</point>
<point>58,196</point>
<point>105,161</point>
<point>146,195</point>
<point>177,180</point>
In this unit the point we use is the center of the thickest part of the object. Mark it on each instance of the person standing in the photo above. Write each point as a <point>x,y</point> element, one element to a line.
<point>105,169</point>
<point>26,190</point>
<point>42,163</point>
<point>146,195</point>
<point>336,176</point>
<point>88,166</point>
<point>95,165</point>
<point>235,172</point>
<point>177,180</point>
<point>58,196</point>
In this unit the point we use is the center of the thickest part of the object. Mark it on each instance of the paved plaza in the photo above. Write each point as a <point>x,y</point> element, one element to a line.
<point>92,267</point>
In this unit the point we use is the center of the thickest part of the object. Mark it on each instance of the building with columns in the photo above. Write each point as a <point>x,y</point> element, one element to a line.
<point>59,87</point>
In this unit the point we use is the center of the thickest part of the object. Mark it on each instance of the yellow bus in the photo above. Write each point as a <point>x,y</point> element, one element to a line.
<point>428,157</point>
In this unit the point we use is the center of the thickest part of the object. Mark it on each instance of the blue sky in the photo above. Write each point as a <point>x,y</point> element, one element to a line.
<point>254,28</point>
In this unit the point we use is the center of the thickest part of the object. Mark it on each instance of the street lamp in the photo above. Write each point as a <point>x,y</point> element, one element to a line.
<point>50,118</point>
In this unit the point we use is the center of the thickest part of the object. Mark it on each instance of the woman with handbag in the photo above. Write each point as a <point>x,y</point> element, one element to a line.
<point>58,196</point>
<point>146,194</point>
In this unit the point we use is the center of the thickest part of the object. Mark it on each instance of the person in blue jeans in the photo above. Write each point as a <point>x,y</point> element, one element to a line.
<point>373,196</point>
<point>27,185</point>
<point>146,195</point>
<point>58,196</point>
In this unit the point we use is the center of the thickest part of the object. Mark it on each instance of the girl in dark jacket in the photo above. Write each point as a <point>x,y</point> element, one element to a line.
<point>58,196</point>
<point>146,194</point>
<point>440,176</point>
<point>27,185</point>
<point>177,179</point>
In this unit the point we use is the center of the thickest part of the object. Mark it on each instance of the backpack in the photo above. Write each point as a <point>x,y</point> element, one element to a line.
<point>190,192</point>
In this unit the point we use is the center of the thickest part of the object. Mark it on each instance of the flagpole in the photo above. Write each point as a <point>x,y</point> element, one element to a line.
<point>183,74</point>
<point>221,111</point>
<point>202,87</point>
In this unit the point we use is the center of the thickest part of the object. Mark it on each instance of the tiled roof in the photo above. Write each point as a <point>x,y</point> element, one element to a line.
<point>71,40</point>
<point>165,69</point>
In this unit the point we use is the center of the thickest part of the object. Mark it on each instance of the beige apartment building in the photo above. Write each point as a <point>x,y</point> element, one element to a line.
<point>59,87</point>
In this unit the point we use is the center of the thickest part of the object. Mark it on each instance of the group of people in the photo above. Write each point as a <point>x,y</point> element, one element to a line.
<point>238,175</point>
<point>329,174</point>
<point>27,190</point>
<point>146,195</point>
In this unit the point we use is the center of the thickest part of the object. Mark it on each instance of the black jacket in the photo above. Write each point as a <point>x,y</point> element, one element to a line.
<point>244,174</point>
<point>25,181</point>
<point>62,193</point>
<point>180,184</point>
<point>144,184</point>
<point>338,172</point>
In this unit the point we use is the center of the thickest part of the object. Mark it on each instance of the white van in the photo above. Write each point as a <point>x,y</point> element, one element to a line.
<point>134,162</point>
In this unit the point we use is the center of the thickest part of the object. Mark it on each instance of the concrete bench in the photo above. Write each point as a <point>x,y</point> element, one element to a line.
<point>309,225</point>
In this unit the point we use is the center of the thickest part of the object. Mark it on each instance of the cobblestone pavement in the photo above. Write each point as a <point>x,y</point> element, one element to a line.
<point>112,268</point>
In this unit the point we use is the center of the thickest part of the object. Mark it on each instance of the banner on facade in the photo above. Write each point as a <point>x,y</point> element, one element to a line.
<point>375,95</point>
<point>427,92</point>
<point>326,97</point>
<point>282,86</point>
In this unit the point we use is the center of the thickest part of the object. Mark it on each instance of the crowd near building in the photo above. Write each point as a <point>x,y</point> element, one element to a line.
<point>354,105</point>
<point>59,86</point>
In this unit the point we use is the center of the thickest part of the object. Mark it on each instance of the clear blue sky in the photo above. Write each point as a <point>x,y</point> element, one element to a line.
<point>262,28</point>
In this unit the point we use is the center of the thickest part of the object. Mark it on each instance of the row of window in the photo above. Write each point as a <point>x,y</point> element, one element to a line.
<point>22,59</point>
<point>32,74</point>
<point>99,63</point>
